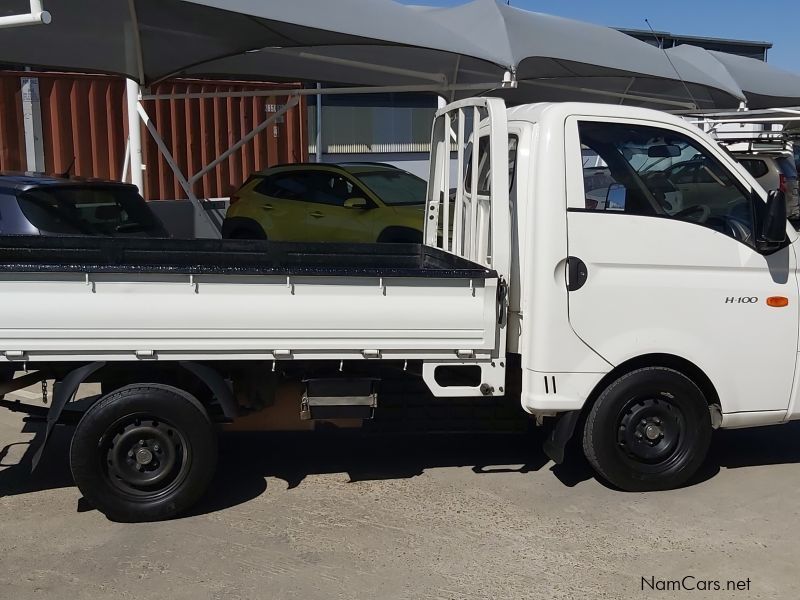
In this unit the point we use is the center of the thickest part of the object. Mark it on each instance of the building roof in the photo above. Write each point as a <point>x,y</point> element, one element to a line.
<point>665,39</point>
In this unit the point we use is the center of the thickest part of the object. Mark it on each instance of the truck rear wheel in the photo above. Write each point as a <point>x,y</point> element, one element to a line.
<point>649,430</point>
<point>144,453</point>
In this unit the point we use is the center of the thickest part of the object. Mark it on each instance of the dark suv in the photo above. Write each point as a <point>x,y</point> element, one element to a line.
<point>33,204</point>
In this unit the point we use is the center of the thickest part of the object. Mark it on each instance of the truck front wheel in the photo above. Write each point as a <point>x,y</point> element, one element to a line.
<point>649,430</point>
<point>144,453</point>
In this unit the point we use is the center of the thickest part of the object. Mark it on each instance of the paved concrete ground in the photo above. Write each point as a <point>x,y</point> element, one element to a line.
<point>408,517</point>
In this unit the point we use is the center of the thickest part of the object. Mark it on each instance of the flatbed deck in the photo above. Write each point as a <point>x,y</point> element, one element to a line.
<point>86,299</point>
<point>29,254</point>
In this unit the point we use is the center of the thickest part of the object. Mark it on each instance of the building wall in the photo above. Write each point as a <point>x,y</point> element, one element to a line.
<point>84,130</point>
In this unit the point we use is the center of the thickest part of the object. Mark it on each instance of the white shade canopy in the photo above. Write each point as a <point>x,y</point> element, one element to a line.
<point>363,43</point>
<point>763,85</point>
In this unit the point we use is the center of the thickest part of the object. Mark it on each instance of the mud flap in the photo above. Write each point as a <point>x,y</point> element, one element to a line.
<point>562,432</point>
<point>63,391</point>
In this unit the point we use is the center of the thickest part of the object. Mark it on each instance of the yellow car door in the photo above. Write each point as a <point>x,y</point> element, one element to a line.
<point>337,210</point>
<point>277,204</point>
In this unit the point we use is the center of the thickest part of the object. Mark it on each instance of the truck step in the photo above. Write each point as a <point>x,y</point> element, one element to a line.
<point>340,398</point>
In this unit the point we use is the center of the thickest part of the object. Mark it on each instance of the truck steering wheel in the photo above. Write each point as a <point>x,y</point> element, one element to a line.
<point>702,209</point>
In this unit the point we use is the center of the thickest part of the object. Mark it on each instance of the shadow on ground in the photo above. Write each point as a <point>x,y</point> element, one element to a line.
<point>247,459</point>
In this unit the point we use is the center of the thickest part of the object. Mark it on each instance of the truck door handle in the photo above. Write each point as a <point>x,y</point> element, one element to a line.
<point>317,214</point>
<point>577,273</point>
<point>266,206</point>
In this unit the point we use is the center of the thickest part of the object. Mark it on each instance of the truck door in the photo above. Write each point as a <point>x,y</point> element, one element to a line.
<point>645,279</point>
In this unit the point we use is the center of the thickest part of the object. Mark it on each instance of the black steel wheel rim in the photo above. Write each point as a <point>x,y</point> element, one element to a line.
<point>145,457</point>
<point>651,432</point>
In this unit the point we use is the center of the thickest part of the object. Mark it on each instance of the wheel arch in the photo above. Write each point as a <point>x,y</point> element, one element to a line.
<point>670,361</point>
<point>566,424</point>
<point>202,381</point>
<point>400,234</point>
<point>235,225</point>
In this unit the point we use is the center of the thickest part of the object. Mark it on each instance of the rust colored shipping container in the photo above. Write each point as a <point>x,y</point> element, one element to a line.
<point>84,129</point>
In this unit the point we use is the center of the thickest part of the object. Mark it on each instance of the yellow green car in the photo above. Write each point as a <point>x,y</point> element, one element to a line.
<point>346,202</point>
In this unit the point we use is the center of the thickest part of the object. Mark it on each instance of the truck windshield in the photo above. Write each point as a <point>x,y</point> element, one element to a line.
<point>395,188</point>
<point>659,172</point>
<point>91,210</point>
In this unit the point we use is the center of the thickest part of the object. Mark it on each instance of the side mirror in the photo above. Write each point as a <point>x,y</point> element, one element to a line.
<point>615,197</point>
<point>356,203</point>
<point>773,227</point>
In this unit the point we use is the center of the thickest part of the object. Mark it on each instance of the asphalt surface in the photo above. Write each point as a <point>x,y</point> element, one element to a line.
<point>437,516</point>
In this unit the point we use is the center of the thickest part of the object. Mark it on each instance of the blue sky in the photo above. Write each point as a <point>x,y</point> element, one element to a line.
<point>777,21</point>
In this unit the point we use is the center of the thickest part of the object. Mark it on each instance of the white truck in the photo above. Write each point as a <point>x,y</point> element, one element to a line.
<point>638,326</point>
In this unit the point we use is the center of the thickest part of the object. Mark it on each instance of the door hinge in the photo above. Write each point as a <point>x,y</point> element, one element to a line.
<point>502,302</point>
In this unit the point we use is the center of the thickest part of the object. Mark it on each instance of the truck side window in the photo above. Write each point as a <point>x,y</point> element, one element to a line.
<point>648,171</point>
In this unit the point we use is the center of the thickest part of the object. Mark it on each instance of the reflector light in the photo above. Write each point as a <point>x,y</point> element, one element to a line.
<point>777,301</point>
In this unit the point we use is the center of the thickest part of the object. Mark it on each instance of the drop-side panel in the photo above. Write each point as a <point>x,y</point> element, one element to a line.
<point>74,316</point>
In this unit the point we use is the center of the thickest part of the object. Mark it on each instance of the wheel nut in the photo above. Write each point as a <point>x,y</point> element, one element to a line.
<point>638,435</point>
<point>157,448</point>
<point>142,443</point>
<point>130,453</point>
<point>653,433</point>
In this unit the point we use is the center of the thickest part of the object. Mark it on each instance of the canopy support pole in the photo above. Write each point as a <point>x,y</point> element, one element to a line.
<point>126,163</point>
<point>318,139</point>
<point>36,16</point>
<point>235,148</point>
<point>199,206</point>
<point>134,161</point>
<point>386,89</point>
<point>187,184</point>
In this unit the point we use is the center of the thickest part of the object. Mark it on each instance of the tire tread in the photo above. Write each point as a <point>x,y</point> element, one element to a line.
<point>117,508</point>
<point>590,444</point>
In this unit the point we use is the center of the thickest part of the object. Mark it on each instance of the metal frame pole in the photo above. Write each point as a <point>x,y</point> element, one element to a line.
<point>258,129</point>
<point>187,184</point>
<point>134,135</point>
<point>32,119</point>
<point>37,16</point>
<point>385,89</point>
<point>184,183</point>
<point>318,138</point>
<point>126,163</point>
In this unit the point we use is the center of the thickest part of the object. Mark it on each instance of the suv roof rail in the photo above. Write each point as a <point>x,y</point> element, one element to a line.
<point>367,163</point>
<point>354,163</point>
<point>763,144</point>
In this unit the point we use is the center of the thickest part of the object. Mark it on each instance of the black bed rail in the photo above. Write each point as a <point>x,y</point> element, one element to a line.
<point>41,254</point>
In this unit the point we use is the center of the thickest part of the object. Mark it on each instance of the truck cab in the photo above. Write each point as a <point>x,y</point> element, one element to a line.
<point>653,288</point>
